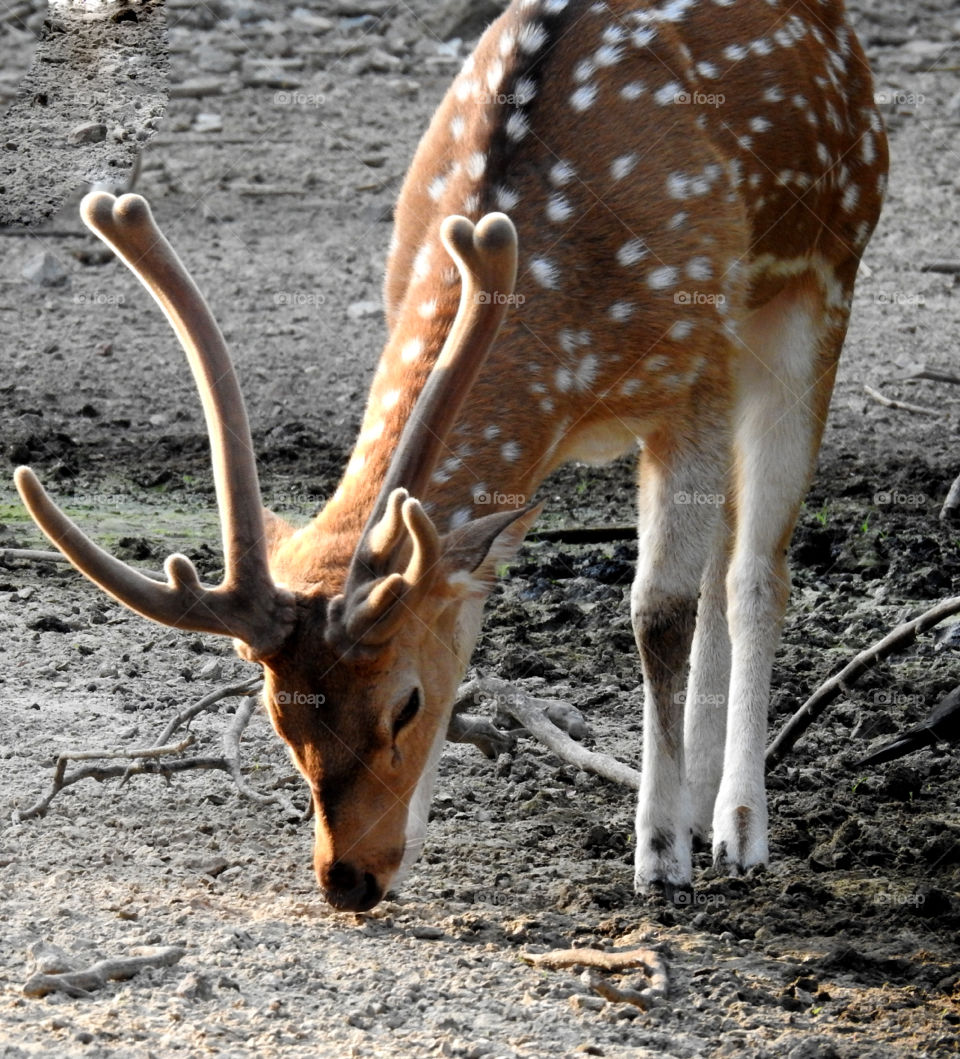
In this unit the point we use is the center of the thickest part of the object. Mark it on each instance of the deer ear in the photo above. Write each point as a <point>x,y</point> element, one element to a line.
<point>474,552</point>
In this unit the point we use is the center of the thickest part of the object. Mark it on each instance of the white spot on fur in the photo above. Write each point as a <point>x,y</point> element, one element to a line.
<point>545,272</point>
<point>531,38</point>
<point>608,55</point>
<point>678,185</point>
<point>668,93</point>
<point>495,75</point>
<point>631,252</point>
<point>633,90</point>
<point>428,309</point>
<point>558,208</point>
<point>506,198</point>
<point>663,277</point>
<point>510,451</point>
<point>622,165</point>
<point>517,126</point>
<point>421,263</point>
<point>584,97</point>
<point>680,330</point>
<point>460,517</point>
<point>621,311</point>
<point>389,399</point>
<point>700,268</point>
<point>561,174</point>
<point>476,164</point>
<point>411,351</point>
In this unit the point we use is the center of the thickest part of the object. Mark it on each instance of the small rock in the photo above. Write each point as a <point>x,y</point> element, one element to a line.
<point>195,987</point>
<point>49,623</point>
<point>426,933</point>
<point>89,132</point>
<point>207,121</point>
<point>47,958</point>
<point>582,1002</point>
<point>364,310</point>
<point>45,270</point>
<point>211,670</point>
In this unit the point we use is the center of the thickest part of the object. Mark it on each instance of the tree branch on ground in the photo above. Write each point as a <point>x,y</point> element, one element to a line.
<point>841,682</point>
<point>534,714</point>
<point>613,960</point>
<point>83,983</point>
<point>903,406</point>
<point>159,759</point>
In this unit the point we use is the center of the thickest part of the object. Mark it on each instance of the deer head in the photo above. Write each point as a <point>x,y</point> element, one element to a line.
<point>364,639</point>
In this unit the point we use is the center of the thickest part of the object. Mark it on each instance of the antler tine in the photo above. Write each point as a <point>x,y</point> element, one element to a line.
<point>486,257</point>
<point>247,605</point>
<point>368,615</point>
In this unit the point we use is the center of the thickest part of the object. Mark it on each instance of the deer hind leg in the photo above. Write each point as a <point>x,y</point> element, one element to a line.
<point>789,351</point>
<point>679,482</point>
<point>705,716</point>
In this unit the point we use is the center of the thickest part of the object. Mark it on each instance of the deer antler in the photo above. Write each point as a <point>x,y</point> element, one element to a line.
<point>486,257</point>
<point>247,605</point>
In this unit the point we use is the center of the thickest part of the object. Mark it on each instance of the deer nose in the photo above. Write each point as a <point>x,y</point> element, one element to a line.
<point>350,890</point>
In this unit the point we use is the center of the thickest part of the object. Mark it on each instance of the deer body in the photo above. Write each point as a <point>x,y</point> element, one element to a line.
<point>692,186</point>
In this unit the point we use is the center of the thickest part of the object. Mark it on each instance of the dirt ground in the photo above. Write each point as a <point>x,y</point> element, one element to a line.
<point>273,174</point>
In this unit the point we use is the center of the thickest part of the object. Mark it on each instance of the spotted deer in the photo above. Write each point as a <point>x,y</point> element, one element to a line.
<point>691,187</point>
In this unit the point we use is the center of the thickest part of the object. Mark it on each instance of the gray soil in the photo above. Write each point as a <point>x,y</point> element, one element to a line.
<point>273,173</point>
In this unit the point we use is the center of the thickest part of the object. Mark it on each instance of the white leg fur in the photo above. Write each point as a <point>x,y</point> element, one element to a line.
<point>676,527</point>
<point>705,716</point>
<point>775,439</point>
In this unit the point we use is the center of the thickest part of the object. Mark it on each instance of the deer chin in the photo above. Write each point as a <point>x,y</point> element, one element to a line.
<point>419,811</point>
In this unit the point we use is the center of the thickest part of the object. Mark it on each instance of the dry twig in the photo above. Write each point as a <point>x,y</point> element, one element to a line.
<point>83,983</point>
<point>36,555</point>
<point>646,960</point>
<point>904,406</point>
<point>154,760</point>
<point>935,375</point>
<point>833,687</point>
<point>530,712</point>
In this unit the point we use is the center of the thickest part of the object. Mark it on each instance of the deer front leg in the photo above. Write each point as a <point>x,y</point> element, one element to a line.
<point>677,512</point>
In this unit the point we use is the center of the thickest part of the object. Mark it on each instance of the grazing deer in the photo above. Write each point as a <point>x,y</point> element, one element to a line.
<point>692,185</point>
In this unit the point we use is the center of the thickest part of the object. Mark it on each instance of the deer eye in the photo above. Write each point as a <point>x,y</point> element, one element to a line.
<point>406,715</point>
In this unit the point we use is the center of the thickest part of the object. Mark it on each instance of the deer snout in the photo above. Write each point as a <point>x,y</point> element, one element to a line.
<point>349,888</point>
